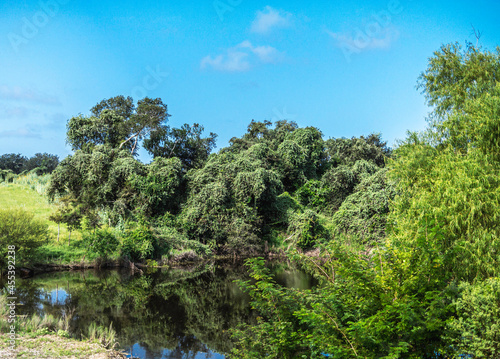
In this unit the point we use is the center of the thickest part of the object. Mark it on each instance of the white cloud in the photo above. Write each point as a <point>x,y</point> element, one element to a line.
<point>22,94</point>
<point>266,54</point>
<point>233,61</point>
<point>242,57</point>
<point>268,19</point>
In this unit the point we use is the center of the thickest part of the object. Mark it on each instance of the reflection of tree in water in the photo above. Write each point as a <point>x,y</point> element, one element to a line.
<point>185,311</point>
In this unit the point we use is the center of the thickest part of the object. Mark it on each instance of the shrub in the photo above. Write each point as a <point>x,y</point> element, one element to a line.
<point>476,331</point>
<point>306,229</point>
<point>102,242</point>
<point>140,244</point>
<point>18,228</point>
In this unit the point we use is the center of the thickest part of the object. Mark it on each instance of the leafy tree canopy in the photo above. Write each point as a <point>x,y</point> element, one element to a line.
<point>117,123</point>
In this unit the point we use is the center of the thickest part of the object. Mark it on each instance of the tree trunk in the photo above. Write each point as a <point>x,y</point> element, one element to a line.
<point>58,231</point>
<point>69,238</point>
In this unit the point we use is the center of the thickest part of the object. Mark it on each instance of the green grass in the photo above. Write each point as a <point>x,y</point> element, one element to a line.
<point>24,194</point>
<point>21,196</point>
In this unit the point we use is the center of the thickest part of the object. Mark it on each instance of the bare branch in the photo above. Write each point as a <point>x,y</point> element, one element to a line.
<point>477,34</point>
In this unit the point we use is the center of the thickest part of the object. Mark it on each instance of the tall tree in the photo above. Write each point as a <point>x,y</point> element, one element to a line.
<point>117,123</point>
<point>184,143</point>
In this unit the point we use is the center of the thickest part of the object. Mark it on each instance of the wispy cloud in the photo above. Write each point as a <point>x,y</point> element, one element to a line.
<point>20,132</point>
<point>15,112</point>
<point>242,57</point>
<point>29,95</point>
<point>268,19</point>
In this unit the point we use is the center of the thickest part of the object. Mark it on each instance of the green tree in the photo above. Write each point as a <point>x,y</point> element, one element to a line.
<point>159,190</point>
<point>99,180</point>
<point>42,162</point>
<point>184,143</point>
<point>117,123</point>
<point>12,161</point>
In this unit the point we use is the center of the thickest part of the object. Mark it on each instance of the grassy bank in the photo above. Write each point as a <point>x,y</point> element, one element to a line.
<point>29,196</point>
<point>48,337</point>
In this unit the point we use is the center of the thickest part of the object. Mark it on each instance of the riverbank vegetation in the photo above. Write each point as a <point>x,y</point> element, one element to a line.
<point>49,336</point>
<point>405,241</point>
<point>430,288</point>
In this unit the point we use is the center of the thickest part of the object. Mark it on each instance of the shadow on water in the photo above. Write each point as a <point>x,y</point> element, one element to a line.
<point>167,313</point>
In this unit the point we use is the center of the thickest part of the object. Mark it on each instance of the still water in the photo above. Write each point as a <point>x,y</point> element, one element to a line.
<point>168,313</point>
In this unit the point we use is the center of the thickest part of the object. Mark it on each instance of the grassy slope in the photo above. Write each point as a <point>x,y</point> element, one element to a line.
<point>16,196</point>
<point>19,196</point>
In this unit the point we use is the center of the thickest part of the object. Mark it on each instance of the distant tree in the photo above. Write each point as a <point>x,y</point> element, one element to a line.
<point>345,151</point>
<point>44,162</point>
<point>58,218</point>
<point>73,220</point>
<point>12,161</point>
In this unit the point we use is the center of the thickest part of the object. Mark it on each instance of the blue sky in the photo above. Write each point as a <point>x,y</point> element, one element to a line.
<point>348,68</point>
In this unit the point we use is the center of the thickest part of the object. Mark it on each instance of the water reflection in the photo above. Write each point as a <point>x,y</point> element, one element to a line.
<point>174,313</point>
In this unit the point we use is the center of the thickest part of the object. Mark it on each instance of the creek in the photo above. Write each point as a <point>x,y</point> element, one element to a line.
<point>184,312</point>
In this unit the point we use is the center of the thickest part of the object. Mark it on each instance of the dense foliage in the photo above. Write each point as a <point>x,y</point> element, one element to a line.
<point>41,163</point>
<point>430,288</point>
<point>19,229</point>
<point>276,185</point>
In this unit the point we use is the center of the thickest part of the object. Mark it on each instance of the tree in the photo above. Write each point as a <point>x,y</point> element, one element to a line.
<point>117,123</point>
<point>99,180</point>
<point>12,161</point>
<point>159,190</point>
<point>43,162</point>
<point>344,151</point>
<point>73,221</point>
<point>455,76</point>
<point>184,143</point>
<point>58,218</point>
<point>150,115</point>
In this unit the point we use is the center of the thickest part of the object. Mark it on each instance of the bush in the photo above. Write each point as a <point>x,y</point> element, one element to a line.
<point>102,242</point>
<point>363,214</point>
<point>18,228</point>
<point>140,244</point>
<point>476,331</point>
<point>306,229</point>
<point>172,239</point>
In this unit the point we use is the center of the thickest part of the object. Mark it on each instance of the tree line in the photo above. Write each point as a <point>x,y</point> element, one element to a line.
<point>277,183</point>
<point>16,163</point>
